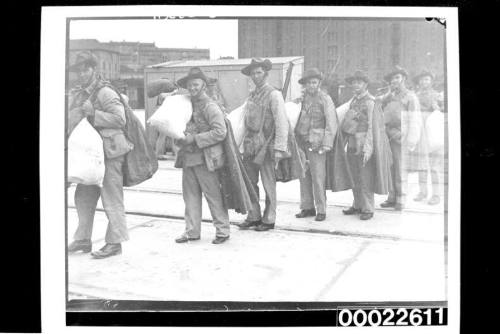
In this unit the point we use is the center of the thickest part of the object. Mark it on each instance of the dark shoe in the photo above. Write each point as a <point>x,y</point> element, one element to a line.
<point>107,251</point>
<point>366,215</point>
<point>306,213</point>
<point>420,196</point>
<point>388,204</point>
<point>247,224</point>
<point>219,240</point>
<point>185,239</point>
<point>264,227</point>
<point>80,245</point>
<point>399,207</point>
<point>351,211</point>
<point>320,217</point>
<point>434,200</point>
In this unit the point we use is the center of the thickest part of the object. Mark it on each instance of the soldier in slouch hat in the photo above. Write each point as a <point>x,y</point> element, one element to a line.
<point>102,106</point>
<point>265,142</point>
<point>315,130</point>
<point>367,148</point>
<point>403,122</point>
<point>200,156</point>
<point>430,101</point>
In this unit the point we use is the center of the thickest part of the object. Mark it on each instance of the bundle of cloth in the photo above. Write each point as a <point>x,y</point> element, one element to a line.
<point>85,155</point>
<point>172,116</point>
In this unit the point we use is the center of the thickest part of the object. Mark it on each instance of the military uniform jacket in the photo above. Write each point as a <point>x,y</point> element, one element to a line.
<point>209,130</point>
<point>358,123</point>
<point>109,118</point>
<point>402,117</point>
<point>265,114</point>
<point>317,124</point>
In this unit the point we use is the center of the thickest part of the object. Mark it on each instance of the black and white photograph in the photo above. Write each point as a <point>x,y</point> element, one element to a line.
<point>229,158</point>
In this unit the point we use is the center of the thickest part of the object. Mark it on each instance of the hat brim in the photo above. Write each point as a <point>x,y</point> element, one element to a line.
<point>416,79</point>
<point>266,65</point>
<point>303,80</point>
<point>389,76</point>
<point>349,80</point>
<point>182,82</point>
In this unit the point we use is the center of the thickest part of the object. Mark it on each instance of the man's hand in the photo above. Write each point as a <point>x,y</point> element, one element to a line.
<point>189,139</point>
<point>87,108</point>
<point>366,157</point>
<point>324,149</point>
<point>278,155</point>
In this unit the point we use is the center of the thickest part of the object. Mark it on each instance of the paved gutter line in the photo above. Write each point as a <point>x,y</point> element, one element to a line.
<point>387,237</point>
<point>342,205</point>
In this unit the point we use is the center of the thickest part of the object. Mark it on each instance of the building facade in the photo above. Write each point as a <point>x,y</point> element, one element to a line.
<point>345,45</point>
<point>123,63</point>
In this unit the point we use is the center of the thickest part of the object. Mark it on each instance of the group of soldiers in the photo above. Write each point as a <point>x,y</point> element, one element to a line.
<point>366,151</point>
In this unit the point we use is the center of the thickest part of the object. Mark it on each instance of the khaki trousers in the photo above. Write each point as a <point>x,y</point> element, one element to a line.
<point>312,185</point>
<point>364,199</point>
<point>399,175</point>
<point>268,177</point>
<point>111,193</point>
<point>198,180</point>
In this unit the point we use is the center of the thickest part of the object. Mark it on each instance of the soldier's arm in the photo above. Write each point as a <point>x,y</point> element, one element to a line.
<point>414,122</point>
<point>112,114</point>
<point>280,121</point>
<point>217,132</point>
<point>368,147</point>
<point>331,122</point>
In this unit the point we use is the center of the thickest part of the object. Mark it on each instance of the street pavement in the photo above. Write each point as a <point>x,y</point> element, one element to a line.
<point>277,265</point>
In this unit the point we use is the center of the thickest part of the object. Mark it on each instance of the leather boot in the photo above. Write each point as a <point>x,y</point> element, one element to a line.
<point>351,211</point>
<point>306,213</point>
<point>107,251</point>
<point>84,245</point>
<point>247,224</point>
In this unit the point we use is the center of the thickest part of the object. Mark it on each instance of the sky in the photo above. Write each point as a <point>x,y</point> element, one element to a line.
<point>220,36</point>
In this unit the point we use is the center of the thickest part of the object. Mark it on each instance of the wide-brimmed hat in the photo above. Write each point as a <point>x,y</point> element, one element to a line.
<point>84,58</point>
<point>396,70</point>
<point>358,75</point>
<point>194,73</point>
<point>311,73</point>
<point>422,74</point>
<point>257,62</point>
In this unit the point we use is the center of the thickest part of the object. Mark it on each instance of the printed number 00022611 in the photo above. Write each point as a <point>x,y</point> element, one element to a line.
<point>391,317</point>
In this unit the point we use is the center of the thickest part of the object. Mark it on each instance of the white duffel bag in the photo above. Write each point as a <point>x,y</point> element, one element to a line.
<point>85,155</point>
<point>172,116</point>
<point>292,111</point>
<point>237,119</point>
<point>434,127</point>
<point>342,110</point>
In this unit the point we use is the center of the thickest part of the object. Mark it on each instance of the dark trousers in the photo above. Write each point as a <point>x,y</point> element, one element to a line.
<point>111,193</point>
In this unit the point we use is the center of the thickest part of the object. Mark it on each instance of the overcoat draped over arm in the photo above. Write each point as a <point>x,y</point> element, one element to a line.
<point>237,190</point>
<point>339,176</point>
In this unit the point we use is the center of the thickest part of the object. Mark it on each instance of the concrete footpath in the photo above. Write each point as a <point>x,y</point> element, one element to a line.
<point>276,265</point>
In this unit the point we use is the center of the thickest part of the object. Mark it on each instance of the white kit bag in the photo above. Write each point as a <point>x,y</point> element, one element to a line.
<point>292,111</point>
<point>342,110</point>
<point>434,127</point>
<point>172,116</point>
<point>85,155</point>
<point>237,119</point>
